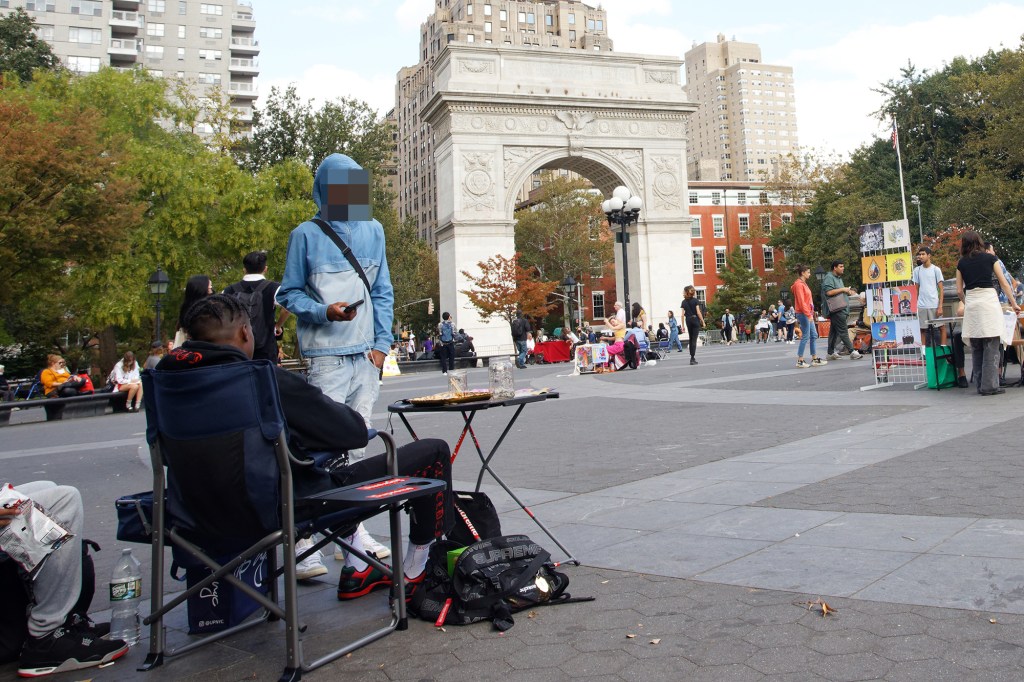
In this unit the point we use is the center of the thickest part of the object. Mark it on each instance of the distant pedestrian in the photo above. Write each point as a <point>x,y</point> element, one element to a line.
<point>258,296</point>
<point>639,317</point>
<point>804,307</point>
<point>789,317</point>
<point>928,278</point>
<point>445,348</point>
<point>197,287</point>
<point>728,321</point>
<point>673,332</point>
<point>520,328</point>
<point>835,292</point>
<point>156,353</point>
<point>694,318</point>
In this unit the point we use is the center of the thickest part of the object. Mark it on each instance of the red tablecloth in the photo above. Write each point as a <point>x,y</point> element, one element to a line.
<point>554,351</point>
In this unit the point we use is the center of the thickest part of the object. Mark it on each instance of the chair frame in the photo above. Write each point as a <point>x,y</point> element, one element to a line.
<point>285,536</point>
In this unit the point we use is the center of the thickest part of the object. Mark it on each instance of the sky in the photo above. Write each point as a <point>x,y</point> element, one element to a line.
<point>839,51</point>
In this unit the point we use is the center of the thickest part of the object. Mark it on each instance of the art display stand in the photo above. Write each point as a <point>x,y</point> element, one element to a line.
<point>891,305</point>
<point>590,358</point>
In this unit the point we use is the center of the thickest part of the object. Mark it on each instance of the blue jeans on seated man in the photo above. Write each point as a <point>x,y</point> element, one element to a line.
<point>520,353</point>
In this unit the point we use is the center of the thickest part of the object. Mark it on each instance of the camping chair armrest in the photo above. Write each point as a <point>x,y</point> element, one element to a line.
<point>318,458</point>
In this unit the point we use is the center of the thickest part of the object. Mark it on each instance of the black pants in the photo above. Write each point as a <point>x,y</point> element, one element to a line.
<point>432,515</point>
<point>692,330</point>
<point>838,332</point>
<point>446,354</point>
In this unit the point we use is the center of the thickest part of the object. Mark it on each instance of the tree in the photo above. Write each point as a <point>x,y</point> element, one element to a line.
<point>741,286</point>
<point>945,246</point>
<point>504,286</point>
<point>564,232</point>
<point>21,51</point>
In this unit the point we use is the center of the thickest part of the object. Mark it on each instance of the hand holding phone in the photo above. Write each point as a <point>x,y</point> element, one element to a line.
<point>352,306</point>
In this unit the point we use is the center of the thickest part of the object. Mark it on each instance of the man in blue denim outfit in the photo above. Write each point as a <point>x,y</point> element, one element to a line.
<point>345,348</point>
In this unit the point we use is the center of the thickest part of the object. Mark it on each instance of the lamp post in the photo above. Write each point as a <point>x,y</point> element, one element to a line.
<point>623,210</point>
<point>157,284</point>
<point>916,201</point>
<point>819,274</point>
<point>569,286</point>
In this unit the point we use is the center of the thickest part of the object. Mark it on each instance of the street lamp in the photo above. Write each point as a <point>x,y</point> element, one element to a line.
<point>819,274</point>
<point>158,283</point>
<point>916,201</point>
<point>569,286</point>
<point>623,210</point>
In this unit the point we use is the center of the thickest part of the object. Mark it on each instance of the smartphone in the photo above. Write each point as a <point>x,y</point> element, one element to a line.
<point>352,306</point>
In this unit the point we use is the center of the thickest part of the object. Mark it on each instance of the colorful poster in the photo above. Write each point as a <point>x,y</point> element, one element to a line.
<point>898,266</point>
<point>879,303</point>
<point>883,333</point>
<point>896,234</point>
<point>872,269</point>
<point>908,332</point>
<point>872,237</point>
<point>904,300</point>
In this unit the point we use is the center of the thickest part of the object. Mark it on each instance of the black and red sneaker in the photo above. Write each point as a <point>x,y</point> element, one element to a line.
<point>354,584</point>
<point>67,649</point>
<point>413,584</point>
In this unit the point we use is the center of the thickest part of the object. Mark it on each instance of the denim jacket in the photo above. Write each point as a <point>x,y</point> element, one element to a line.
<point>317,274</point>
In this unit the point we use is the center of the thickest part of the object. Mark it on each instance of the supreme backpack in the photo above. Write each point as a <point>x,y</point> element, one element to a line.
<point>490,580</point>
<point>252,301</point>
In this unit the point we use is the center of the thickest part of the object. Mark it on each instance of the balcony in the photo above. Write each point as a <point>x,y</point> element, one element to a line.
<point>243,90</point>
<point>248,67</point>
<point>243,21</point>
<point>245,45</point>
<point>126,4</point>
<point>126,22</point>
<point>125,48</point>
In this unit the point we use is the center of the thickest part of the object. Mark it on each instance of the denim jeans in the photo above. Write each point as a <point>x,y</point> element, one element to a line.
<point>349,379</point>
<point>520,353</point>
<point>808,332</point>
<point>673,341</point>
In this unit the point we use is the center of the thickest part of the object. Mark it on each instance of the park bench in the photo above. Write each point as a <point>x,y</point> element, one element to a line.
<point>465,362</point>
<point>74,407</point>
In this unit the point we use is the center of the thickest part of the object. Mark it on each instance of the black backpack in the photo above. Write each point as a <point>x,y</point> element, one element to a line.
<point>252,301</point>
<point>491,580</point>
<point>518,328</point>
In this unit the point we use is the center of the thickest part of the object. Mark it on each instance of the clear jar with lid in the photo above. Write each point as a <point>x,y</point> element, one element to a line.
<point>502,384</point>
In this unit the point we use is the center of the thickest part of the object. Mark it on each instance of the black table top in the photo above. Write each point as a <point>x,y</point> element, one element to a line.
<point>523,397</point>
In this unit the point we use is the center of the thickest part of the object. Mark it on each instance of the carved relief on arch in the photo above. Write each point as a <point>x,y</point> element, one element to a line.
<point>666,186</point>
<point>478,181</point>
<point>515,158</point>
<point>476,66</point>
<point>632,161</point>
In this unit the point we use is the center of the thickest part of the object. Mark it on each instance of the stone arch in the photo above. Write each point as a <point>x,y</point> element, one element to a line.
<point>498,113</point>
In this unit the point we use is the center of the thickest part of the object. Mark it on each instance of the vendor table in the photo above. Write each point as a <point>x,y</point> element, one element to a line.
<point>554,351</point>
<point>468,412</point>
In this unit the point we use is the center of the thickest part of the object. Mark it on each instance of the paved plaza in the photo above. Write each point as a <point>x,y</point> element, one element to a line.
<point>707,503</point>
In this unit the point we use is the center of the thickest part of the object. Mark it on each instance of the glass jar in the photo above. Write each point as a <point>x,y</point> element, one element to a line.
<point>502,384</point>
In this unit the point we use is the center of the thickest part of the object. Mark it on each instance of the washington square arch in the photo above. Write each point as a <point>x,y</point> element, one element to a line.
<point>500,113</point>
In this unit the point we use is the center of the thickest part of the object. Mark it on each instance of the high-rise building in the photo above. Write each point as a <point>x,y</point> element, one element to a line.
<point>205,43</point>
<point>544,24</point>
<point>746,118</point>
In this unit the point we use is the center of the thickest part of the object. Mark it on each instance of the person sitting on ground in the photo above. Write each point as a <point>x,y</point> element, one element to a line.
<point>219,333</point>
<point>126,379</point>
<point>57,381</point>
<point>58,638</point>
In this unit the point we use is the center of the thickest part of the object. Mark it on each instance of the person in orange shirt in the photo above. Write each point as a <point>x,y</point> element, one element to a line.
<point>805,317</point>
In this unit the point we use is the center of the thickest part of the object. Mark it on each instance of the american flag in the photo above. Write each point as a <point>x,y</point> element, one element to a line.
<point>895,136</point>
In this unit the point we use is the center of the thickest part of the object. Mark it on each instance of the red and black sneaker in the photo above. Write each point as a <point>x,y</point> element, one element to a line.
<point>354,584</point>
<point>413,584</point>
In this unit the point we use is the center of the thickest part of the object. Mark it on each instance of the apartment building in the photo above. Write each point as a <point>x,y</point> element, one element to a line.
<point>730,214</point>
<point>543,24</point>
<point>746,118</point>
<point>204,43</point>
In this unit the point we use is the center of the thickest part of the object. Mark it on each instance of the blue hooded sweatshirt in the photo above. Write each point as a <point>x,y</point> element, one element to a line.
<point>317,274</point>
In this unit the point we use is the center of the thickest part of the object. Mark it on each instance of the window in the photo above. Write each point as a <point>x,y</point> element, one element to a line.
<point>470,38</point>
<point>487,27</point>
<point>549,20</point>
<point>698,260</point>
<point>210,32</point>
<point>572,35</point>
<point>702,295</point>
<point>744,223</point>
<point>156,6</point>
<point>182,7</point>
<point>590,24</point>
<point>217,10</point>
<point>487,10</point>
<point>40,6</point>
<point>210,55</point>
<point>748,256</point>
<point>719,258</point>
<point>769,258</point>
<point>209,78</point>
<point>154,29</point>
<point>693,197</point>
<point>695,227</point>
<point>763,196</point>
<point>522,17</point>
<point>181,32</point>
<point>89,8</point>
<point>84,35</point>
<point>181,54</point>
<point>84,64</point>
<point>718,224</point>
<point>502,15</point>
<point>766,222</point>
<point>154,51</point>
<point>787,218</point>
<point>531,19</point>
<point>469,10</point>
<point>597,304</point>
<point>716,198</point>
<point>42,32</point>
<point>600,24</point>
<point>572,18</point>
<point>741,197</point>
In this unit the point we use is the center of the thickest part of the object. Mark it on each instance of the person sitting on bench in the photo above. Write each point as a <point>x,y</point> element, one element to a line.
<point>219,333</point>
<point>57,381</point>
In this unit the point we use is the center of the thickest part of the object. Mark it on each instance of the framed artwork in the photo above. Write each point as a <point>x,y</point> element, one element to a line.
<point>896,234</point>
<point>879,303</point>
<point>884,333</point>
<point>904,300</point>
<point>872,269</point>
<point>908,332</point>
<point>898,266</point>
<point>872,237</point>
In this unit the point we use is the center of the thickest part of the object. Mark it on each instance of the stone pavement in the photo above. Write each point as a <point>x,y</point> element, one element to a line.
<point>707,504</point>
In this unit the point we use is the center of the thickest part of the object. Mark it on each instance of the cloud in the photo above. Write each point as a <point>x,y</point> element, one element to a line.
<point>325,82</point>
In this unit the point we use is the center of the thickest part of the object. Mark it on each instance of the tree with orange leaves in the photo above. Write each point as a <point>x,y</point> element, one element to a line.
<point>945,246</point>
<point>504,286</point>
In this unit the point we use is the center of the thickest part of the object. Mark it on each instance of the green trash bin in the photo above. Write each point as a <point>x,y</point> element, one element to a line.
<point>940,374</point>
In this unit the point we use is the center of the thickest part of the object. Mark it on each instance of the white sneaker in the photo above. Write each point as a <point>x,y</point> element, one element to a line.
<point>833,356</point>
<point>310,567</point>
<point>854,355</point>
<point>370,546</point>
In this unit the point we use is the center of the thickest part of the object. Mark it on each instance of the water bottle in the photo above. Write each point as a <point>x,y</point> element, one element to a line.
<point>125,595</point>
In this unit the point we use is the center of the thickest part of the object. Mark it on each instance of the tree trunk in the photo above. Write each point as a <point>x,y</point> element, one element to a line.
<point>108,351</point>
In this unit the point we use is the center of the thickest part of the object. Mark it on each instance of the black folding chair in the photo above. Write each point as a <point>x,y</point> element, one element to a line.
<point>220,433</point>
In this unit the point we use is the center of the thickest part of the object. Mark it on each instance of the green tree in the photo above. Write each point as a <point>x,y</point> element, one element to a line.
<point>21,51</point>
<point>504,286</point>
<point>564,232</point>
<point>741,286</point>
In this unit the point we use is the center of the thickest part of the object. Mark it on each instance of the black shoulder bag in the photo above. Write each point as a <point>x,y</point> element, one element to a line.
<point>345,250</point>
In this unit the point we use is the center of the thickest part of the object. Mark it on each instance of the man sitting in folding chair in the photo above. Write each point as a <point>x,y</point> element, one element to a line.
<point>219,332</point>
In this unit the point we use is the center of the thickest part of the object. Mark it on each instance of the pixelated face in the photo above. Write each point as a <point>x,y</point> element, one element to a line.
<point>348,195</point>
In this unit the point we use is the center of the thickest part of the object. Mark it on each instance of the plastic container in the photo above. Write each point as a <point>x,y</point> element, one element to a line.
<point>500,376</point>
<point>458,381</point>
<point>125,595</point>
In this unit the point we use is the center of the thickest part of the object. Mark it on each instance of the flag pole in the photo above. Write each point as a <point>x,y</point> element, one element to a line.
<point>899,164</point>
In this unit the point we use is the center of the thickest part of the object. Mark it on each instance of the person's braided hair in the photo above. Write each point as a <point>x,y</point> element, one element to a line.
<point>208,317</point>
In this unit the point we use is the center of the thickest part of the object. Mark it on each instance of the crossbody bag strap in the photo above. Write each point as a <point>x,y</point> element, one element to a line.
<point>345,250</point>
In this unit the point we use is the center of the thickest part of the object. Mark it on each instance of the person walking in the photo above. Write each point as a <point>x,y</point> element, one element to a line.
<point>837,304</point>
<point>520,328</point>
<point>978,273</point>
<point>694,318</point>
<point>445,348</point>
<point>727,324</point>
<point>789,317</point>
<point>673,333</point>
<point>804,307</point>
